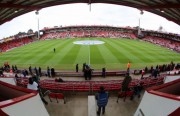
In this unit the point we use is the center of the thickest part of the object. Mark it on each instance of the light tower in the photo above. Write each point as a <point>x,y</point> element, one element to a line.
<point>139,26</point>
<point>37,14</point>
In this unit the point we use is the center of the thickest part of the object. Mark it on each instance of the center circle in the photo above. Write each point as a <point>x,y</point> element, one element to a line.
<point>89,42</point>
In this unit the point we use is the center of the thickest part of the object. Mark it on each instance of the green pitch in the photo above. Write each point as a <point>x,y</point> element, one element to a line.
<point>113,54</point>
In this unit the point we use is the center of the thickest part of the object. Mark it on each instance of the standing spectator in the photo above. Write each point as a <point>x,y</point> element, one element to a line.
<point>26,72</point>
<point>84,67</point>
<point>142,73</point>
<point>104,72</point>
<point>1,72</point>
<point>128,67</point>
<point>30,69</point>
<point>155,73</point>
<point>85,73</point>
<point>52,72</point>
<point>126,82</point>
<point>146,70</point>
<point>16,76</point>
<point>39,70</point>
<point>15,67</point>
<point>8,66</point>
<point>151,70</point>
<point>89,72</point>
<point>48,72</point>
<point>36,71</point>
<point>102,100</point>
<point>77,68</point>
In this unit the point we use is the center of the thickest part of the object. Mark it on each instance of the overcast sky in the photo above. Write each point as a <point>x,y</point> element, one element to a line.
<point>80,14</point>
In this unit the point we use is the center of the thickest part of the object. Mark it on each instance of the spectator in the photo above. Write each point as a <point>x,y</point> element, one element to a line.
<point>102,100</point>
<point>35,78</point>
<point>52,72</point>
<point>77,68</point>
<point>48,72</point>
<point>1,71</point>
<point>16,76</point>
<point>34,86</point>
<point>155,73</point>
<point>30,69</point>
<point>146,70</point>
<point>26,72</point>
<point>89,72</point>
<point>126,82</point>
<point>84,67</point>
<point>128,67</point>
<point>142,73</point>
<point>104,72</point>
<point>59,80</point>
<point>15,67</point>
<point>36,71</point>
<point>39,70</point>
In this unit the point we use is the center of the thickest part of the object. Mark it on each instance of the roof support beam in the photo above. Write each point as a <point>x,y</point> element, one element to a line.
<point>163,6</point>
<point>5,5</point>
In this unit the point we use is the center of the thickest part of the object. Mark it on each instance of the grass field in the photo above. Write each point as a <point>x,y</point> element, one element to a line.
<point>113,54</point>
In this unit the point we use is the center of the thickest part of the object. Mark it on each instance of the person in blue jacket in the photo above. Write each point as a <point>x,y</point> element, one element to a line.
<point>102,100</point>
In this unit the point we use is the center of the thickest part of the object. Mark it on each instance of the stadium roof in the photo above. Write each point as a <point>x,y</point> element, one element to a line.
<point>169,9</point>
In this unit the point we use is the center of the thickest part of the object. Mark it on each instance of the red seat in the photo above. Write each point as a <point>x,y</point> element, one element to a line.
<point>56,96</point>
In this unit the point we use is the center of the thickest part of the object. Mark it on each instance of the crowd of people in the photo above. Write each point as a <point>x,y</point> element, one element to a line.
<point>90,33</point>
<point>87,70</point>
<point>171,44</point>
<point>156,70</point>
<point>50,72</point>
<point>7,68</point>
<point>7,45</point>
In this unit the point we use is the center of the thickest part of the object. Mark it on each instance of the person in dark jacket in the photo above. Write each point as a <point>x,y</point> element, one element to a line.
<point>48,72</point>
<point>15,67</point>
<point>104,72</point>
<point>77,68</point>
<point>36,71</point>
<point>126,82</point>
<point>52,72</point>
<point>102,100</point>
<point>39,70</point>
<point>30,69</point>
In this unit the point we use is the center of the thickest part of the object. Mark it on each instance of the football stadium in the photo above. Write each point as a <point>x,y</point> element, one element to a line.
<point>90,70</point>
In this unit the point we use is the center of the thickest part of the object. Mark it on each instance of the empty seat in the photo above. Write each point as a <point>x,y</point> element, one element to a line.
<point>56,96</point>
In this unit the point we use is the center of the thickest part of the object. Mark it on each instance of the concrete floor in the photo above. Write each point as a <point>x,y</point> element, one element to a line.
<point>77,105</point>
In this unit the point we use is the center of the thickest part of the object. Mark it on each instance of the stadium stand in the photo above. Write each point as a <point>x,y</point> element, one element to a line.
<point>7,45</point>
<point>91,86</point>
<point>168,40</point>
<point>171,44</point>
